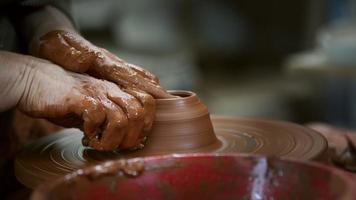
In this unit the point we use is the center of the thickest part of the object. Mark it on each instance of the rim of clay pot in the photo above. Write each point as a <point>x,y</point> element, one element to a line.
<point>182,95</point>
<point>42,192</point>
<point>185,104</point>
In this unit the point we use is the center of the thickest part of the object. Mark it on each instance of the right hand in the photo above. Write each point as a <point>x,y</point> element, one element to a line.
<point>110,117</point>
<point>73,52</point>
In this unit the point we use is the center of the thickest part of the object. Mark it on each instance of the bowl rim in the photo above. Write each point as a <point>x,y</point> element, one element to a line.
<point>183,94</point>
<point>41,192</point>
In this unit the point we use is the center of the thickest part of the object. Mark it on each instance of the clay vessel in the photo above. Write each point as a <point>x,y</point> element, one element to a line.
<point>203,176</point>
<point>181,124</point>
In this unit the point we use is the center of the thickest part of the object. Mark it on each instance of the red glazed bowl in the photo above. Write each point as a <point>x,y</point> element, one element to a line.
<point>207,176</point>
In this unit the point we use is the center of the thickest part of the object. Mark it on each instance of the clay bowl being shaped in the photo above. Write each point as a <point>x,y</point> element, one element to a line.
<point>202,176</point>
<point>181,125</point>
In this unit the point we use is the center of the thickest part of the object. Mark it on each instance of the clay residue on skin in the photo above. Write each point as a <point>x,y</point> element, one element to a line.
<point>74,53</point>
<point>128,168</point>
<point>129,118</point>
<point>109,116</point>
<point>123,116</point>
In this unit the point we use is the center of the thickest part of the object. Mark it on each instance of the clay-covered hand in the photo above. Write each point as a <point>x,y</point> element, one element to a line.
<point>110,117</point>
<point>71,51</point>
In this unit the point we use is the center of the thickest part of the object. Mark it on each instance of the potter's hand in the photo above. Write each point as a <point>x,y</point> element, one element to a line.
<point>71,51</point>
<point>110,117</point>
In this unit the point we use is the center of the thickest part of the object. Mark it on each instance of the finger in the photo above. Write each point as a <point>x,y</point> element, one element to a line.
<point>57,47</point>
<point>117,71</point>
<point>77,41</point>
<point>93,119</point>
<point>126,77</point>
<point>149,106</point>
<point>134,127</point>
<point>155,90</point>
<point>135,115</point>
<point>93,116</point>
<point>144,73</point>
<point>114,131</point>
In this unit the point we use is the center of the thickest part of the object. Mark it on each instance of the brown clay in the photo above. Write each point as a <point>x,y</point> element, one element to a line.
<point>71,51</point>
<point>182,125</point>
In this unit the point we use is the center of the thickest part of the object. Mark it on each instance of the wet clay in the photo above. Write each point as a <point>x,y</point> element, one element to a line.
<point>73,52</point>
<point>122,120</point>
<point>182,125</point>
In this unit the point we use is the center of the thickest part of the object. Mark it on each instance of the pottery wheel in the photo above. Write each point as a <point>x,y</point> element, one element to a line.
<point>61,153</point>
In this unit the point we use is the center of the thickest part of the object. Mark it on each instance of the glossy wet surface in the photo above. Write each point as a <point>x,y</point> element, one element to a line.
<point>208,177</point>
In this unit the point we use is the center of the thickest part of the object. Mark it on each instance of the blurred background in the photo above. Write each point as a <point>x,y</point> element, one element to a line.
<point>292,60</point>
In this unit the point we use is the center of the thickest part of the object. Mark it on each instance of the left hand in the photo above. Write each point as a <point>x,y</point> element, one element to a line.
<point>71,51</point>
<point>109,116</point>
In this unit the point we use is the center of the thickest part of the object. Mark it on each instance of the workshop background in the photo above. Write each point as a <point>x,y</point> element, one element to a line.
<point>292,60</point>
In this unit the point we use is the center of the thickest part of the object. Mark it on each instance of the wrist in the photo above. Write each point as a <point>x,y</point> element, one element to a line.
<point>41,21</point>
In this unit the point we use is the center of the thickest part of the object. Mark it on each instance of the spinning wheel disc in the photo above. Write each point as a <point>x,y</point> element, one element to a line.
<point>61,153</point>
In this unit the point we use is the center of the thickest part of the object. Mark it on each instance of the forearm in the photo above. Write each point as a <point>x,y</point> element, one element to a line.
<point>41,21</point>
<point>15,76</point>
